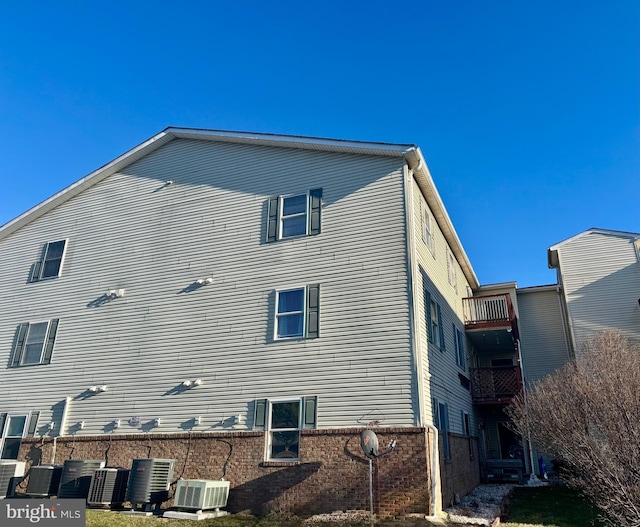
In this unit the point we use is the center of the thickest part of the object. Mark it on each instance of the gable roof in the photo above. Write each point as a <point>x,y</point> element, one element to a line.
<point>552,252</point>
<point>411,154</point>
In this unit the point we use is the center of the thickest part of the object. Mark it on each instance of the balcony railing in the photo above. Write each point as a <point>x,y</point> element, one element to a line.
<point>483,310</point>
<point>495,385</point>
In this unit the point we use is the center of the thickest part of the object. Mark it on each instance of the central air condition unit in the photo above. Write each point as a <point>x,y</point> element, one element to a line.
<point>44,480</point>
<point>201,494</point>
<point>76,477</point>
<point>11,473</point>
<point>108,487</point>
<point>149,481</point>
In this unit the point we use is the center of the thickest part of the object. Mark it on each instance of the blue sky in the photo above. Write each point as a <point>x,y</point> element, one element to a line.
<point>527,112</point>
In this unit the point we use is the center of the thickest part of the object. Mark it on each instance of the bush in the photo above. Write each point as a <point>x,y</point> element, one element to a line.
<point>587,415</point>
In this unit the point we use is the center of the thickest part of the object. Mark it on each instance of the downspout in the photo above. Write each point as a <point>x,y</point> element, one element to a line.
<point>533,479</point>
<point>411,285</point>
<point>435,505</point>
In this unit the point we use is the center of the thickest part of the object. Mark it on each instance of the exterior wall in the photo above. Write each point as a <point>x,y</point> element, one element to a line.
<point>331,475</point>
<point>133,231</point>
<point>460,474</point>
<point>600,275</point>
<point>544,344</point>
<point>440,370</point>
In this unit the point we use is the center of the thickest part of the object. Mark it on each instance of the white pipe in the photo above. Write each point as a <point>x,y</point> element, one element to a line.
<point>65,412</point>
<point>53,450</point>
<point>436,496</point>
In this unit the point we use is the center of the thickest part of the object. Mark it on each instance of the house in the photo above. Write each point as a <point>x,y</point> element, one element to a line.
<point>247,304</point>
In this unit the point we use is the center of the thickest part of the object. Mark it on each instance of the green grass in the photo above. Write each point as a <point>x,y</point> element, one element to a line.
<point>550,507</point>
<point>114,519</point>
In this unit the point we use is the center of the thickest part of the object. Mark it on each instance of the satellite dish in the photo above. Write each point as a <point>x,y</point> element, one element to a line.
<point>369,443</point>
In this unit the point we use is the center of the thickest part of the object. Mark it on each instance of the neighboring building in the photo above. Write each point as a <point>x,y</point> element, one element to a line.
<point>245,304</point>
<point>599,278</point>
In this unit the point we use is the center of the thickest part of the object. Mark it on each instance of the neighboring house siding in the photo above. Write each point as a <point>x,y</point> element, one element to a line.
<point>440,370</point>
<point>544,346</point>
<point>132,231</point>
<point>600,275</point>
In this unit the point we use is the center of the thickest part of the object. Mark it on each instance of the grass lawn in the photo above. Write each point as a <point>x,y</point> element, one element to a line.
<point>550,507</point>
<point>114,519</point>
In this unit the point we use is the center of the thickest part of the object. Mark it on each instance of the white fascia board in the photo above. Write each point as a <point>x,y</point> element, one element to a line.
<point>418,165</point>
<point>537,289</point>
<point>293,141</point>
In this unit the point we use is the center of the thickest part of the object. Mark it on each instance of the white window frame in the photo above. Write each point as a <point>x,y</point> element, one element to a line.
<point>426,221</point>
<point>461,359</point>
<point>44,260</point>
<point>42,346</point>
<point>451,269</point>
<point>303,312</point>
<point>3,432</point>
<point>282,217</point>
<point>435,326</point>
<point>271,430</point>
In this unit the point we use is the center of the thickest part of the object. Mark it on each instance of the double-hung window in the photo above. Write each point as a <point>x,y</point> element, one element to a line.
<point>283,419</point>
<point>433,316</point>
<point>34,343</point>
<point>441,421</point>
<point>294,215</point>
<point>461,359</point>
<point>297,313</point>
<point>426,225</point>
<point>451,270</point>
<point>15,426</point>
<point>50,264</point>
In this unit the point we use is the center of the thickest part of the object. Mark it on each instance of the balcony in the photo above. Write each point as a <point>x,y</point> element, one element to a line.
<point>490,322</point>
<point>495,385</point>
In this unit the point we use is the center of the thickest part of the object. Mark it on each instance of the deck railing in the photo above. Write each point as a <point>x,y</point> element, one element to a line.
<point>495,385</point>
<point>488,309</point>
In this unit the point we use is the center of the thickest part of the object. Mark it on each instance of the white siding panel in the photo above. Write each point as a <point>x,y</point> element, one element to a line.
<point>542,334</point>
<point>601,280</point>
<point>133,231</point>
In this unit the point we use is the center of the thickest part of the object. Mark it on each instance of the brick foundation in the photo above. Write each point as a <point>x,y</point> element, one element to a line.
<point>460,474</point>
<point>332,474</point>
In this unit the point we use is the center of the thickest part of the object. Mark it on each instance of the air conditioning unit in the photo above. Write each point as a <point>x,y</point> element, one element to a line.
<point>149,481</point>
<point>44,480</point>
<point>76,477</point>
<point>108,487</point>
<point>201,494</point>
<point>11,473</point>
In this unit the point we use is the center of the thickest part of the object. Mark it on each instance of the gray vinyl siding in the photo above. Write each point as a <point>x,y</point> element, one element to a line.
<point>544,346</point>
<point>133,231</point>
<point>440,370</point>
<point>601,279</point>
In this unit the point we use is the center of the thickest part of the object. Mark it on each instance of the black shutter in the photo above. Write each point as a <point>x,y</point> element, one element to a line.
<point>272,218</point>
<point>51,337</point>
<point>310,405</point>
<point>33,424</point>
<point>441,328</point>
<point>315,204</point>
<point>313,311</point>
<point>19,347</point>
<point>3,418</point>
<point>427,311</point>
<point>259,414</point>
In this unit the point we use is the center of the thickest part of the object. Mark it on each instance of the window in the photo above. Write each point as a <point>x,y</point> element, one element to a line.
<point>426,221</point>
<point>434,319</point>
<point>50,264</point>
<point>13,427</point>
<point>291,216</point>
<point>34,343</point>
<point>451,270</point>
<point>441,421</point>
<point>283,419</point>
<point>461,358</point>
<point>297,313</point>
<point>466,430</point>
